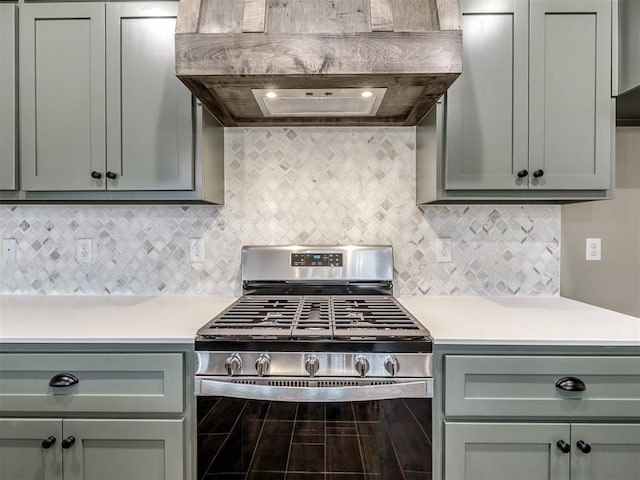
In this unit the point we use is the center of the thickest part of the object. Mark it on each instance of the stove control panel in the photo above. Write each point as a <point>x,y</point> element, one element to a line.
<point>316,260</point>
<point>314,364</point>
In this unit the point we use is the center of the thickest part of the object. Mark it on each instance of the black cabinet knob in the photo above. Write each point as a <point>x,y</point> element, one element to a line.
<point>96,175</point>
<point>67,442</point>
<point>538,173</point>
<point>523,173</point>
<point>571,384</point>
<point>48,442</point>
<point>111,175</point>
<point>584,447</point>
<point>563,446</point>
<point>63,380</point>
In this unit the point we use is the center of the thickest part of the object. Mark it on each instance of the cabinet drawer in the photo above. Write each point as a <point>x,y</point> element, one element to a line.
<point>525,386</point>
<point>107,382</point>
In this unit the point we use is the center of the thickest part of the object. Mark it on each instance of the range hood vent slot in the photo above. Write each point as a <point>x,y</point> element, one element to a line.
<point>345,102</point>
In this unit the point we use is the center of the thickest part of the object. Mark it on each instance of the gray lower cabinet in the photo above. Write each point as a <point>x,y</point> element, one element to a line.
<point>506,451</point>
<point>612,451</point>
<point>23,455</point>
<point>8,158</point>
<point>123,449</point>
<point>531,117</point>
<point>531,451</point>
<point>91,449</point>
<point>536,413</point>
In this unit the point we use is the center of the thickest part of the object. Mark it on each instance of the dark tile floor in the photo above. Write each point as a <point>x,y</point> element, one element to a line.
<point>255,440</point>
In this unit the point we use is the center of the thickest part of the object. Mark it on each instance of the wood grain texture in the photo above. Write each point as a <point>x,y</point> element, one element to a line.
<point>381,16</point>
<point>305,16</point>
<point>273,54</point>
<point>254,16</point>
<point>221,16</point>
<point>449,15</point>
<point>414,15</point>
<point>408,97</point>
<point>188,15</point>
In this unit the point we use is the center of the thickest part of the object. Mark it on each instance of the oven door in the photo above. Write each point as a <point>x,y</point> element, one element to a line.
<point>312,429</point>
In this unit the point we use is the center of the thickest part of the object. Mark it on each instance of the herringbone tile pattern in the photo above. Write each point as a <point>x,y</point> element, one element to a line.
<point>283,185</point>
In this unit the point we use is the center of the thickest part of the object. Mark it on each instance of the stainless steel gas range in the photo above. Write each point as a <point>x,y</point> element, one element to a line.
<point>317,360</point>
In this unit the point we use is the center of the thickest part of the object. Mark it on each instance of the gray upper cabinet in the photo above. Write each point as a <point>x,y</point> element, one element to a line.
<point>570,94</point>
<point>8,17</point>
<point>62,95</point>
<point>102,114</point>
<point>487,111</point>
<point>531,117</point>
<point>149,111</point>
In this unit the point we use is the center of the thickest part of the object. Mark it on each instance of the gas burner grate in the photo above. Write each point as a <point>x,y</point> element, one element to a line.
<point>313,317</point>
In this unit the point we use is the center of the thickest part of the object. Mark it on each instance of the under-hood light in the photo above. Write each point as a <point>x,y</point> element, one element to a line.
<point>367,94</point>
<point>272,94</point>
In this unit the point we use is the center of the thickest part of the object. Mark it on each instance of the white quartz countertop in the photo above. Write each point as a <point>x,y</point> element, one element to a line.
<point>106,319</point>
<point>175,319</point>
<point>522,321</point>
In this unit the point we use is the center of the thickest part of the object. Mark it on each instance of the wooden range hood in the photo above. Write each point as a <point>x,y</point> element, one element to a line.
<point>231,52</point>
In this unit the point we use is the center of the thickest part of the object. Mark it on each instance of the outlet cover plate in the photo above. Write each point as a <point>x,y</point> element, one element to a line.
<point>84,249</point>
<point>9,247</point>
<point>196,250</point>
<point>594,249</point>
<point>443,250</point>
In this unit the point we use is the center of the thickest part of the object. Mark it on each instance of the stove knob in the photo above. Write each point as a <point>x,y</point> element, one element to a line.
<point>262,365</point>
<point>391,365</point>
<point>312,365</point>
<point>233,364</point>
<point>362,366</point>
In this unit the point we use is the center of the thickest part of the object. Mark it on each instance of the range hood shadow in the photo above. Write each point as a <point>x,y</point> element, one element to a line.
<point>404,53</point>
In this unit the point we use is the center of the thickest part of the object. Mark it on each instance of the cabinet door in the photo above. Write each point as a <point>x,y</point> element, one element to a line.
<point>570,95</point>
<point>8,97</point>
<point>149,111</point>
<point>487,111</point>
<point>22,455</point>
<point>614,455</point>
<point>62,96</point>
<point>124,450</point>
<point>505,451</point>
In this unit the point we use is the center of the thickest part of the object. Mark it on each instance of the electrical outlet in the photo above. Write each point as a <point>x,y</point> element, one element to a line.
<point>196,250</point>
<point>594,249</point>
<point>443,250</point>
<point>83,250</point>
<point>9,247</point>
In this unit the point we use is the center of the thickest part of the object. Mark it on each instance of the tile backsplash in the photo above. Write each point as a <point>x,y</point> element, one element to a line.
<point>288,185</point>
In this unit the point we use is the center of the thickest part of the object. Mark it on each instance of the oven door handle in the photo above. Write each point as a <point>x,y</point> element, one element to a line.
<point>410,389</point>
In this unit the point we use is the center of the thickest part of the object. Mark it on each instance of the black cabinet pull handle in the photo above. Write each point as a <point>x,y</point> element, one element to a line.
<point>523,173</point>
<point>48,442</point>
<point>63,380</point>
<point>96,175</point>
<point>538,173</point>
<point>571,384</point>
<point>563,446</point>
<point>67,442</point>
<point>584,447</point>
<point>111,175</point>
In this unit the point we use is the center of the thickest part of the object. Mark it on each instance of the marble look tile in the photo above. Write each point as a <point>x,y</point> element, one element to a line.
<point>289,185</point>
